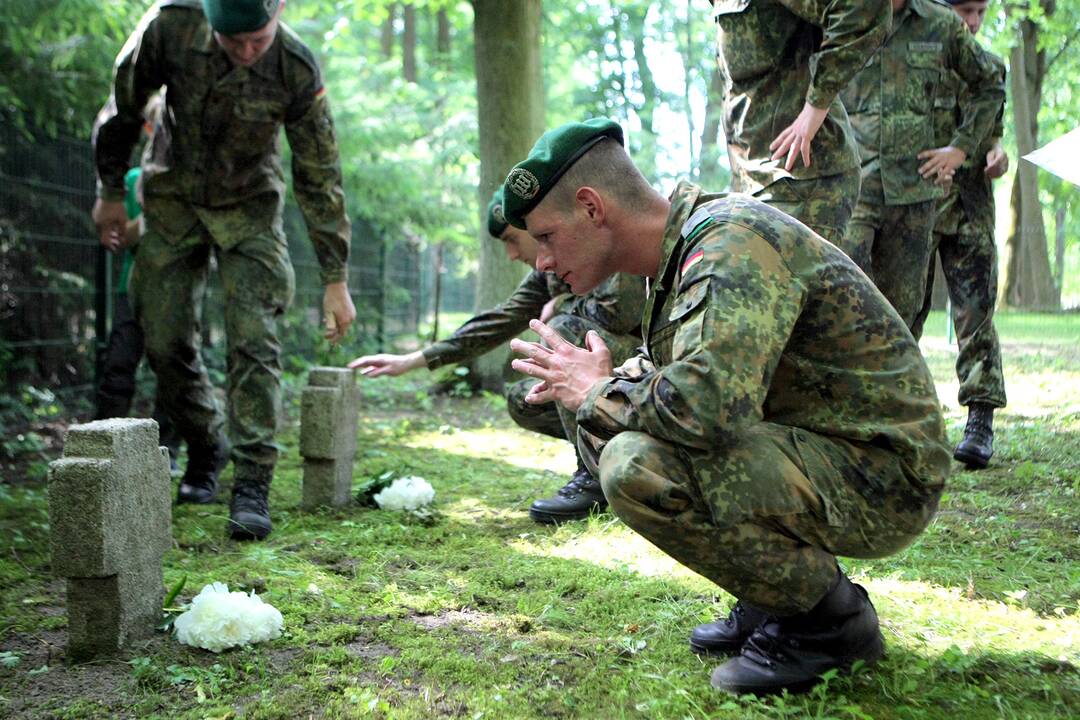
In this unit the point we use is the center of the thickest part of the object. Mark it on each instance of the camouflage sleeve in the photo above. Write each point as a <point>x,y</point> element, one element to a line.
<point>614,305</point>
<point>732,320</point>
<point>851,32</point>
<point>492,327</point>
<point>998,130</point>
<point>985,97</point>
<point>136,76</point>
<point>316,171</point>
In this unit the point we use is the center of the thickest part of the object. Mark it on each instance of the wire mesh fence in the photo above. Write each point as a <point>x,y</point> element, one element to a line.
<point>57,284</point>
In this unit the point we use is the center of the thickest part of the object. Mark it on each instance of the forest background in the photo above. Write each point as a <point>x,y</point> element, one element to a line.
<point>434,101</point>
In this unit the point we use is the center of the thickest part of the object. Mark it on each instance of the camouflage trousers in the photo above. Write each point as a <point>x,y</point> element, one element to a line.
<point>823,204</point>
<point>551,418</point>
<point>969,261</point>
<point>766,518</point>
<point>891,243</point>
<point>168,283</point>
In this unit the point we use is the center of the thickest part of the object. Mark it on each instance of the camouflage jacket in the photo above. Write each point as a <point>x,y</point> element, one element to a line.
<point>754,318</point>
<point>775,55</point>
<point>214,157</point>
<point>615,305</point>
<point>891,101</point>
<point>970,198</point>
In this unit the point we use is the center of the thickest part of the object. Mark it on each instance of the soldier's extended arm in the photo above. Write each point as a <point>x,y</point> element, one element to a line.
<point>614,305</point>
<point>137,76</point>
<point>317,179</point>
<point>737,322</point>
<point>852,31</point>
<point>492,327</point>
<point>984,74</point>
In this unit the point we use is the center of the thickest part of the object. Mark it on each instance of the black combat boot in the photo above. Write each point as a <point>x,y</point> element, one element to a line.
<point>790,653</point>
<point>200,481</point>
<point>727,635</point>
<point>574,501</point>
<point>249,511</point>
<point>977,447</point>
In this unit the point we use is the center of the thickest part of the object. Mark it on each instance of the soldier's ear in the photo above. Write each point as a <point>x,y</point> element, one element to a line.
<point>592,203</point>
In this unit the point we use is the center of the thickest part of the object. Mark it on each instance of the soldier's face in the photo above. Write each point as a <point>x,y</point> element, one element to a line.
<point>245,49</point>
<point>574,243</point>
<point>972,13</point>
<point>519,245</point>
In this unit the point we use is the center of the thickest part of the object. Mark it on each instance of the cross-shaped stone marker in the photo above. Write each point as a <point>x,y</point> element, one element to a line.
<point>329,412</point>
<point>110,523</point>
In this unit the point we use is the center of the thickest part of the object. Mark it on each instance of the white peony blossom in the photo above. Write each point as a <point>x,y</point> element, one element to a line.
<point>407,493</point>
<point>219,619</point>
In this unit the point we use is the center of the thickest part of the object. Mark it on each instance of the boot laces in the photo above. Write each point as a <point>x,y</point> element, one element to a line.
<point>581,482</point>
<point>764,648</point>
<point>251,498</point>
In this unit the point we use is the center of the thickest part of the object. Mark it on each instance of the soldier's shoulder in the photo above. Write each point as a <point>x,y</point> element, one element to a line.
<point>302,60</point>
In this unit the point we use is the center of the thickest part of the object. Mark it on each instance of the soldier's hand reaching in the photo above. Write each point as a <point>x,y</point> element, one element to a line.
<point>566,372</point>
<point>338,311</point>
<point>794,140</point>
<point>111,220</point>
<point>386,364</point>
<point>997,162</point>
<point>941,164</point>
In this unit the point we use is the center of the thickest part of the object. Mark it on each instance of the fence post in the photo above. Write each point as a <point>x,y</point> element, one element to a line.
<point>103,310</point>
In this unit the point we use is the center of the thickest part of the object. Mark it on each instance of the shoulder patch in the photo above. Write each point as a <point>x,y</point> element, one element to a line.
<point>691,261</point>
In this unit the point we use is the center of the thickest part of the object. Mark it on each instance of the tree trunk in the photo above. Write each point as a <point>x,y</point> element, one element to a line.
<point>387,39</point>
<point>510,104</point>
<point>1059,246</point>
<point>442,38</point>
<point>408,44</point>
<point>710,174</point>
<point>645,154</point>
<point>1028,282</point>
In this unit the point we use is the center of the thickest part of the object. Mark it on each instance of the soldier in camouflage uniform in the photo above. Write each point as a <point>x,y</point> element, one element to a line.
<point>964,240</point>
<point>891,104</point>
<point>213,184</point>
<point>784,63</point>
<point>780,414</point>
<point>612,310</point>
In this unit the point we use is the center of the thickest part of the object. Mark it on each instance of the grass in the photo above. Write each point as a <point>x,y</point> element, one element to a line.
<point>481,613</point>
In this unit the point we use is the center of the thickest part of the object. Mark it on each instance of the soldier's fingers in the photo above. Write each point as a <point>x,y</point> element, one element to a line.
<point>806,152</point>
<point>554,340</point>
<point>924,154</point>
<point>793,152</point>
<point>780,140</point>
<point>531,369</point>
<point>529,349</point>
<point>540,393</point>
<point>782,143</point>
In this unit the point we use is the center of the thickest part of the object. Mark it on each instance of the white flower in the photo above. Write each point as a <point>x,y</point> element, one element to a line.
<point>407,493</point>
<point>219,619</point>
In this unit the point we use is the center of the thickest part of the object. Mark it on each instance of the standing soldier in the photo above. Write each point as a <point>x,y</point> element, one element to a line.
<point>784,63</point>
<point>891,104</point>
<point>613,310</point>
<point>780,413</point>
<point>213,184</point>
<point>964,240</point>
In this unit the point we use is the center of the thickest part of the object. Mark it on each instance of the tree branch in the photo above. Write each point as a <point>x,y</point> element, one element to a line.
<point>1064,47</point>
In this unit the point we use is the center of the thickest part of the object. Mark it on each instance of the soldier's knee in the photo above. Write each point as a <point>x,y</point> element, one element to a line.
<point>621,463</point>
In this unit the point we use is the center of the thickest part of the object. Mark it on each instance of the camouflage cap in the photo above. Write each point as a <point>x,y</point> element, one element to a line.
<point>552,155</point>
<point>496,221</point>
<point>231,17</point>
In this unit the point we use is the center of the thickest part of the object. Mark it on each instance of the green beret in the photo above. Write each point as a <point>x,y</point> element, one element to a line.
<point>232,17</point>
<point>496,221</point>
<point>550,158</point>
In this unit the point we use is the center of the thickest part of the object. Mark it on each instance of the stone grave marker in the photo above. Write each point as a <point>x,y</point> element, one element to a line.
<point>110,522</point>
<point>329,413</point>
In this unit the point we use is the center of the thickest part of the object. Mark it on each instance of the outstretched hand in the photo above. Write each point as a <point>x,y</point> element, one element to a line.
<point>794,140</point>
<point>566,372</point>
<point>387,364</point>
